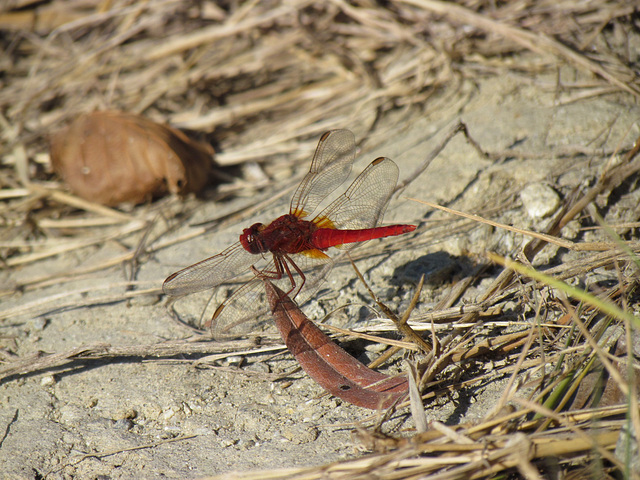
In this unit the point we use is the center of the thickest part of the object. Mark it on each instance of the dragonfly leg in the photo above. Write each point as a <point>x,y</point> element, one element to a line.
<point>281,269</point>
<point>299,271</point>
<point>284,266</point>
<point>269,274</point>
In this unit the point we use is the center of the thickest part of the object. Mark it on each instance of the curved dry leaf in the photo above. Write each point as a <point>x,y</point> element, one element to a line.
<point>329,365</point>
<point>114,157</point>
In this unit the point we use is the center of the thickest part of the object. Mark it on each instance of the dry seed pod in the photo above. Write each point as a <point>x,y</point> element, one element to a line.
<point>114,157</point>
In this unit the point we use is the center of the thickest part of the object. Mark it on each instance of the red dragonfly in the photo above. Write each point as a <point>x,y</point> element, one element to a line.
<point>292,244</point>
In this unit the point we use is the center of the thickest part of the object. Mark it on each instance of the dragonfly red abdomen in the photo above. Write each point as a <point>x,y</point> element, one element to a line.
<point>324,238</point>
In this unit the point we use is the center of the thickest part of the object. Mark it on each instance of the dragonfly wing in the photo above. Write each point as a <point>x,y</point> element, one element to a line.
<point>241,312</point>
<point>210,272</point>
<point>330,167</point>
<point>366,199</point>
<point>247,309</point>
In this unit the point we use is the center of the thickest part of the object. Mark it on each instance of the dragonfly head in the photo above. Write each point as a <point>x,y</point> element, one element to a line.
<point>251,239</point>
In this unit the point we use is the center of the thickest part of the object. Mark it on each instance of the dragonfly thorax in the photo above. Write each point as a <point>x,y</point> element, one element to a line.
<point>286,235</point>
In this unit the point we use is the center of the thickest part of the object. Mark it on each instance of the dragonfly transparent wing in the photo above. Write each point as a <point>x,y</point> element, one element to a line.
<point>246,308</point>
<point>240,312</point>
<point>211,272</point>
<point>366,199</point>
<point>330,167</point>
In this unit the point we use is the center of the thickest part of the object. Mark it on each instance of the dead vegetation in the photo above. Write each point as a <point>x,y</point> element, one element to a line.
<point>262,80</point>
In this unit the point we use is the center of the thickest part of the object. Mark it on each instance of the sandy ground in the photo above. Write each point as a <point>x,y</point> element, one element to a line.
<point>173,418</point>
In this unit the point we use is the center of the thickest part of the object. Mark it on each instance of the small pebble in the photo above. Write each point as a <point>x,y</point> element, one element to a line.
<point>234,360</point>
<point>539,200</point>
<point>145,300</point>
<point>39,323</point>
<point>299,434</point>
<point>168,413</point>
<point>259,367</point>
<point>123,424</point>
<point>228,442</point>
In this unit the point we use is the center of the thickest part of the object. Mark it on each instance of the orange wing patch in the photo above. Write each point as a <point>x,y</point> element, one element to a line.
<point>315,253</point>
<point>324,222</point>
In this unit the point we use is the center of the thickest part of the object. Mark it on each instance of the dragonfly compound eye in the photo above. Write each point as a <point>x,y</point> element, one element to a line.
<point>251,239</point>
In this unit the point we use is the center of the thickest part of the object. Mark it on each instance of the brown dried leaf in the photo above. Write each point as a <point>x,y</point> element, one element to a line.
<point>114,157</point>
<point>329,365</point>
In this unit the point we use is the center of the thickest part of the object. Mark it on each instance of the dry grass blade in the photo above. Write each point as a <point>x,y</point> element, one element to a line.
<point>401,323</point>
<point>603,306</point>
<point>40,363</point>
<point>415,399</point>
<point>537,42</point>
<point>122,450</point>
<point>466,452</point>
<point>560,242</point>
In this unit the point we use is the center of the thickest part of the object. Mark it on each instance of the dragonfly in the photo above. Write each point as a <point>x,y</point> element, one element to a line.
<point>289,248</point>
